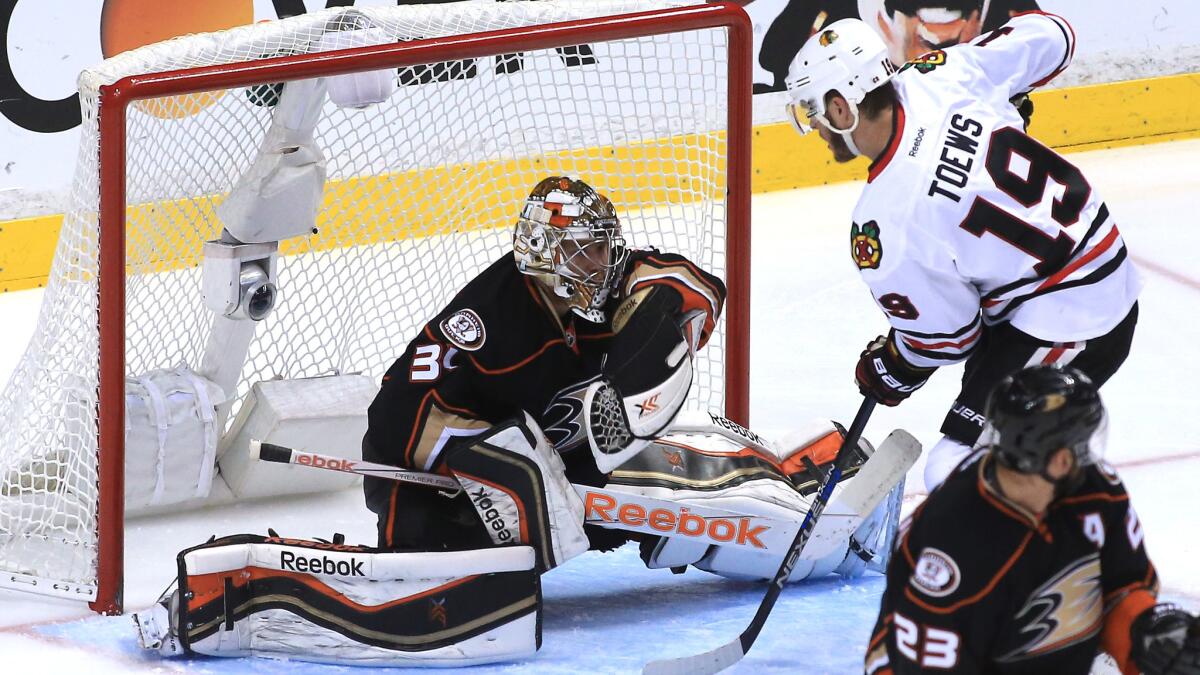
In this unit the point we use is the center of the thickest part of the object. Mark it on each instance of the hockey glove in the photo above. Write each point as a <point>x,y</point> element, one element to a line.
<point>883,374</point>
<point>1166,641</point>
<point>647,375</point>
<point>1024,106</point>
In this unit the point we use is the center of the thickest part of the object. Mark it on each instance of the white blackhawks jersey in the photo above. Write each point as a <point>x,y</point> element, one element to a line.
<point>967,221</point>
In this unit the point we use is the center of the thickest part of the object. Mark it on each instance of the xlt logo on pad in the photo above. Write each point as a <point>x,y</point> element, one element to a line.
<point>323,565</point>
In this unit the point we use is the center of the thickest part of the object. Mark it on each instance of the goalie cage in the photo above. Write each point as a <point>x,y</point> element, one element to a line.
<point>648,101</point>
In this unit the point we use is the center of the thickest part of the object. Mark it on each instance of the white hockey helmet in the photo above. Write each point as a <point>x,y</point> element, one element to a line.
<point>568,236</point>
<point>846,56</point>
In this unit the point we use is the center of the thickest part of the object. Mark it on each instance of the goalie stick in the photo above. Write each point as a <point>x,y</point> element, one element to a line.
<point>716,660</point>
<point>607,508</point>
<point>617,509</point>
<point>270,452</point>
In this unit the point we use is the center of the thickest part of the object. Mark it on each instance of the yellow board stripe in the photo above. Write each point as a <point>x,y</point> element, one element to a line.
<point>363,211</point>
<point>1093,117</point>
<point>1075,119</point>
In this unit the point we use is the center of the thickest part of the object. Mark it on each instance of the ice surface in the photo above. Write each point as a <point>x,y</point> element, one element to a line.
<point>811,316</point>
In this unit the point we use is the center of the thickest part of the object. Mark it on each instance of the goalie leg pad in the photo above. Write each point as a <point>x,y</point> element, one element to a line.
<point>705,469</point>
<point>708,471</point>
<point>870,547</point>
<point>248,595</point>
<point>518,485</point>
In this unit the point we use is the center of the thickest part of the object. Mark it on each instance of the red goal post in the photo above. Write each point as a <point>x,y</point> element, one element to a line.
<point>114,102</point>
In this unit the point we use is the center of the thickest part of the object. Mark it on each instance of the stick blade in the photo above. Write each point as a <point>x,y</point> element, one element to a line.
<point>883,471</point>
<point>712,661</point>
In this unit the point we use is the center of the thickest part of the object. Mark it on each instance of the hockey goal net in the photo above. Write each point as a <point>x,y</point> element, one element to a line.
<point>647,101</point>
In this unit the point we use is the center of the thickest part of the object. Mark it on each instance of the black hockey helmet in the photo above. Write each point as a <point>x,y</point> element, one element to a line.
<point>910,7</point>
<point>1035,412</point>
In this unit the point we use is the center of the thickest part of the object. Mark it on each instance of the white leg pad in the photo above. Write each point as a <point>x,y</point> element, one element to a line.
<point>310,601</point>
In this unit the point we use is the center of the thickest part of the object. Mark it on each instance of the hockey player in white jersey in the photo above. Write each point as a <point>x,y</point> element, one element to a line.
<point>979,243</point>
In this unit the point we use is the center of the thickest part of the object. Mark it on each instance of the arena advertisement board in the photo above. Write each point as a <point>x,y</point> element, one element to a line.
<point>1117,40</point>
<point>45,43</point>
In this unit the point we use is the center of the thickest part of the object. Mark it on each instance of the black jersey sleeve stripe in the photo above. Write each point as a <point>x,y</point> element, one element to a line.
<point>1099,220</point>
<point>711,282</point>
<point>1096,275</point>
<point>934,336</point>
<point>523,362</point>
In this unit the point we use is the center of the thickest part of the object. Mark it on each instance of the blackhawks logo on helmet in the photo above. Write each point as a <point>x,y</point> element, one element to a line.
<point>927,62</point>
<point>864,245</point>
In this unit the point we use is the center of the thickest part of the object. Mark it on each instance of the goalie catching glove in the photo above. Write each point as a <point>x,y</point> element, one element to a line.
<point>647,374</point>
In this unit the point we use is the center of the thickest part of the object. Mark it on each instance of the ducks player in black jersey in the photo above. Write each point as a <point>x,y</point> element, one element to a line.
<point>570,306</point>
<point>565,363</point>
<point>493,391</point>
<point>1030,557</point>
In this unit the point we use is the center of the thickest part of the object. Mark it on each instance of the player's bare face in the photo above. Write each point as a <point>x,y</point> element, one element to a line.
<point>837,145</point>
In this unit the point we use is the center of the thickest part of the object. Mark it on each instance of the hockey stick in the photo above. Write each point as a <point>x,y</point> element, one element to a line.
<point>269,452</point>
<point>613,509</point>
<point>716,660</point>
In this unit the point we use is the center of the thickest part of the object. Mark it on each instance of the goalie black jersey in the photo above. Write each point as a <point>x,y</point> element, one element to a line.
<point>978,585</point>
<point>498,349</point>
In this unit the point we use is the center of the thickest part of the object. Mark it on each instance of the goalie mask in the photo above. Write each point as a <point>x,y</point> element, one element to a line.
<point>569,238</point>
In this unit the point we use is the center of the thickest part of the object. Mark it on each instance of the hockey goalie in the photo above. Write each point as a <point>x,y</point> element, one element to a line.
<point>550,388</point>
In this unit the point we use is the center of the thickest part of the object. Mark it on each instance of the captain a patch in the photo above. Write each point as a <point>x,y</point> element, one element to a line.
<point>865,246</point>
<point>464,328</point>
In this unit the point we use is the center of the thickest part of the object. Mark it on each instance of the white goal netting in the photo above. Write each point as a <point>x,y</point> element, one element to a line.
<point>420,195</point>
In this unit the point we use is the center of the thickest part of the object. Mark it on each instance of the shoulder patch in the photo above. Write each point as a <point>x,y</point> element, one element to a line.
<point>935,574</point>
<point>927,61</point>
<point>865,247</point>
<point>465,329</point>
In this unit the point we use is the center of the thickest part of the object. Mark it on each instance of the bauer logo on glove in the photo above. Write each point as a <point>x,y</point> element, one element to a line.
<point>885,375</point>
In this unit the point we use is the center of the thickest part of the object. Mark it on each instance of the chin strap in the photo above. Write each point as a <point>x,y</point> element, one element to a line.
<point>846,134</point>
<point>850,141</point>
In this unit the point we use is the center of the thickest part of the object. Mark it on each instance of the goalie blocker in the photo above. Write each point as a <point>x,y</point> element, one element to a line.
<point>248,595</point>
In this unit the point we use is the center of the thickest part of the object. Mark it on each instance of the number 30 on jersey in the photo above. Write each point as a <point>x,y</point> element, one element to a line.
<point>428,362</point>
